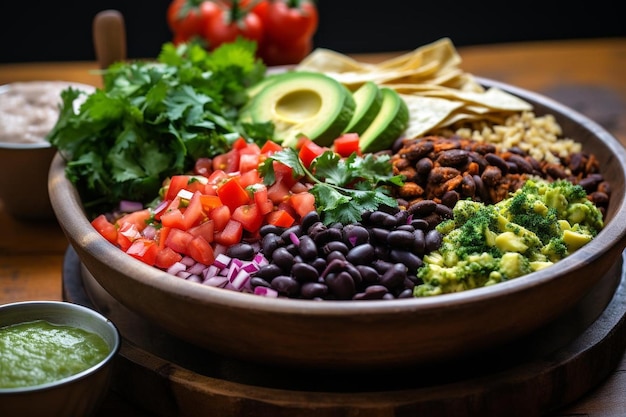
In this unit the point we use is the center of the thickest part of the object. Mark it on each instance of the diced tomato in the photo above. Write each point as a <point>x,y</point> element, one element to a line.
<point>250,149</point>
<point>248,162</point>
<point>298,187</point>
<point>205,229</point>
<point>278,192</point>
<point>220,217</point>
<point>209,202</point>
<point>194,212</point>
<point>177,183</point>
<point>167,257</point>
<point>232,194</point>
<point>162,236</point>
<point>231,234</point>
<point>261,199</point>
<point>347,144</point>
<point>127,234</point>
<point>203,166</point>
<point>239,143</point>
<point>309,150</point>
<point>270,147</point>
<point>284,173</point>
<point>217,176</point>
<point>249,178</point>
<point>139,218</point>
<point>144,249</point>
<point>279,218</point>
<point>227,162</point>
<point>201,250</point>
<point>105,228</point>
<point>179,240</point>
<point>302,203</point>
<point>249,217</point>
<point>173,218</point>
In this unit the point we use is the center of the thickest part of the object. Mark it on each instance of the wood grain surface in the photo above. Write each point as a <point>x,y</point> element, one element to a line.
<point>586,75</point>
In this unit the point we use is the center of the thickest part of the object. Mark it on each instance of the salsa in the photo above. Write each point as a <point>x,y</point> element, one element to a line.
<point>38,352</point>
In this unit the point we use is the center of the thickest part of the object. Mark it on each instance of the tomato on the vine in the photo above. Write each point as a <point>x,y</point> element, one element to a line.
<point>187,18</point>
<point>291,21</point>
<point>232,22</point>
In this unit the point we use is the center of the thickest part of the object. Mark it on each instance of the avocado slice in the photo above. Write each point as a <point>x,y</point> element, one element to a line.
<point>303,103</point>
<point>390,122</point>
<point>368,99</point>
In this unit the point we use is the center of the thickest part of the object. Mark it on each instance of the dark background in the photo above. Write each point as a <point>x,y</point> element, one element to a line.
<point>61,30</point>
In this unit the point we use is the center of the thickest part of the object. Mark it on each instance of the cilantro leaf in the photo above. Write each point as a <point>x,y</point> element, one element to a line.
<point>153,119</point>
<point>344,188</point>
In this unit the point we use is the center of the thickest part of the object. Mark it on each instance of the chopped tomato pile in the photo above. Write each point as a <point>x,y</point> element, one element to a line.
<point>223,202</point>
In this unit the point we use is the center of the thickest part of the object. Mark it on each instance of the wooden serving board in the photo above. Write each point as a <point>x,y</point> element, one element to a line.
<point>160,375</point>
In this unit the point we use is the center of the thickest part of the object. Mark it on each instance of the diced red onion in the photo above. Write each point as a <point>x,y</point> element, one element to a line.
<point>161,207</point>
<point>265,291</point>
<point>250,267</point>
<point>188,261</point>
<point>149,232</point>
<point>222,261</point>
<point>240,279</point>
<point>210,271</point>
<point>216,281</point>
<point>183,274</point>
<point>127,206</point>
<point>294,238</point>
<point>197,268</point>
<point>260,260</point>
<point>176,268</point>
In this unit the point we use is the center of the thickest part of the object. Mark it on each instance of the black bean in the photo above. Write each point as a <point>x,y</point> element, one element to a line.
<point>400,238</point>
<point>411,260</point>
<point>379,234</point>
<point>312,290</point>
<point>257,281</point>
<point>270,228</point>
<point>373,292</point>
<point>283,258</point>
<point>340,285</point>
<point>296,230</point>
<point>243,251</point>
<point>304,272</point>
<point>355,234</point>
<point>444,211</point>
<point>362,254</point>
<point>450,198</point>
<point>286,285</point>
<point>270,242</point>
<point>307,248</point>
<point>268,272</point>
<point>433,240</point>
<point>394,276</point>
<point>419,241</point>
<point>333,246</point>
<point>320,264</point>
<point>315,229</point>
<point>420,224</point>
<point>422,208</point>
<point>335,255</point>
<point>381,266</point>
<point>406,293</point>
<point>309,219</point>
<point>368,274</point>
<point>424,166</point>
<point>380,218</point>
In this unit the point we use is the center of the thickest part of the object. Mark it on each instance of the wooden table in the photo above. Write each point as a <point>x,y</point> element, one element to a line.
<point>587,75</point>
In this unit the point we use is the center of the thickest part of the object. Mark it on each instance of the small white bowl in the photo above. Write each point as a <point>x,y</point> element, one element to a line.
<point>76,395</point>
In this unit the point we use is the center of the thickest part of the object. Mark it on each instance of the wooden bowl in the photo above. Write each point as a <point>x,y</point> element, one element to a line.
<point>351,335</point>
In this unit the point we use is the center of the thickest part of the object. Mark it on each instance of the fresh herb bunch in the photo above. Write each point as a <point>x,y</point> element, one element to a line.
<point>154,119</point>
<point>344,188</point>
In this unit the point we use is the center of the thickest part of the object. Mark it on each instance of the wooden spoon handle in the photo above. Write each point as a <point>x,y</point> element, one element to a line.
<point>109,37</point>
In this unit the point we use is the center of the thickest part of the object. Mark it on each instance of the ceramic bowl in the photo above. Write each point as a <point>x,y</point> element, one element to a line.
<point>366,334</point>
<point>76,395</point>
<point>27,112</point>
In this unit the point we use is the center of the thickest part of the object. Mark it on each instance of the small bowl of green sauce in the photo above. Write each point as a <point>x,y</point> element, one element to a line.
<point>56,358</point>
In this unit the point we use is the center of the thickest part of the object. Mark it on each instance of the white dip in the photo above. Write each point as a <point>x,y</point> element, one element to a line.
<point>28,110</point>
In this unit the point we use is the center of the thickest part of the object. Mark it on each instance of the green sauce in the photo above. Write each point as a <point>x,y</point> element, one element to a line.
<point>39,352</point>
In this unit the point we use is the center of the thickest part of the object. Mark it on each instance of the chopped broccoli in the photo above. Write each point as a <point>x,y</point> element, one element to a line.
<point>539,224</point>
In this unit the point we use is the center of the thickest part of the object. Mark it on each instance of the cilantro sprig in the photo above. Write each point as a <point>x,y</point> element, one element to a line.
<point>344,188</point>
<point>153,119</point>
